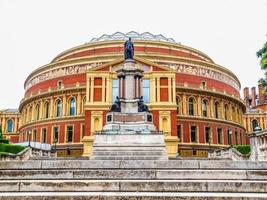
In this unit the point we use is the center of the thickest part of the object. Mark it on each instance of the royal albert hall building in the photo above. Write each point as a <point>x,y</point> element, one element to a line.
<point>194,101</point>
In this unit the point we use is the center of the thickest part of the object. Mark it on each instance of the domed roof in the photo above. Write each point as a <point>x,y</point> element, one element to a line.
<point>134,35</point>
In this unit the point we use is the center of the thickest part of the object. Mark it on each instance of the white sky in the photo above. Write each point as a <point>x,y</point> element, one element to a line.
<point>33,32</point>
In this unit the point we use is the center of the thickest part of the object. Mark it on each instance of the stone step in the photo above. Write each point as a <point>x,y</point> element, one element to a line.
<point>129,153</point>
<point>131,196</point>
<point>141,174</point>
<point>128,148</point>
<point>133,186</point>
<point>133,164</point>
<point>127,157</point>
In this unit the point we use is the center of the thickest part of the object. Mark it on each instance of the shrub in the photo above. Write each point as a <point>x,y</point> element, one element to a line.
<point>244,149</point>
<point>4,141</point>
<point>10,148</point>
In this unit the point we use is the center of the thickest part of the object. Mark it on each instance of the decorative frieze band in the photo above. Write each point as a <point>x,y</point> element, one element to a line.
<point>203,71</point>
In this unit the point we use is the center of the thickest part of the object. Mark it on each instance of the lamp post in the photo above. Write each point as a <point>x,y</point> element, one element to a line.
<point>230,133</point>
<point>55,144</point>
<point>29,137</point>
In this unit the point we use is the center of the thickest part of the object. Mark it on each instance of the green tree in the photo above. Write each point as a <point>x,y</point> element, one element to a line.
<point>262,54</point>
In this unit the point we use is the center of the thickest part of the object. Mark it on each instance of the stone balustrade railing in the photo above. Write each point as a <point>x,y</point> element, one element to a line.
<point>228,153</point>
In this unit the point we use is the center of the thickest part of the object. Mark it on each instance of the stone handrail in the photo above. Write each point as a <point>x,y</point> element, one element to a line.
<point>228,153</point>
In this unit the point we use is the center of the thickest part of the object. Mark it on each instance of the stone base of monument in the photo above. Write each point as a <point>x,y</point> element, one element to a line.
<point>129,147</point>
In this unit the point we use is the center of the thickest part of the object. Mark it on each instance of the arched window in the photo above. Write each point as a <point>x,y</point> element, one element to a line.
<point>254,124</point>
<point>72,104</point>
<point>37,112</point>
<point>46,110</point>
<point>216,109</point>
<point>191,106</point>
<point>204,108</point>
<point>226,112</point>
<point>58,108</point>
<point>10,126</point>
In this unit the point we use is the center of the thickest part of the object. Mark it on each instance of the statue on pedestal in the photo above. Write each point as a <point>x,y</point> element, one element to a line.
<point>128,49</point>
<point>141,106</point>
<point>116,107</point>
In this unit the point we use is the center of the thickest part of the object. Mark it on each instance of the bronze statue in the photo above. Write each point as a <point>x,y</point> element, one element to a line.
<point>116,107</point>
<point>128,49</point>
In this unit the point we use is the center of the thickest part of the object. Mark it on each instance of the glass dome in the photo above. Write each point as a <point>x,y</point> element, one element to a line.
<point>134,35</point>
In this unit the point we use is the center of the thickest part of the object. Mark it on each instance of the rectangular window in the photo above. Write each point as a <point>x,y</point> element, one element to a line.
<point>193,133</point>
<point>44,135</point>
<point>115,89</point>
<point>56,134</point>
<point>69,133</point>
<point>207,135</point>
<point>146,90</point>
<point>219,135</point>
<point>179,133</point>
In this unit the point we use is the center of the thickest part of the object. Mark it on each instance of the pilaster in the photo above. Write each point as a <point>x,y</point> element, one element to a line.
<point>79,103</point>
<point>64,104</point>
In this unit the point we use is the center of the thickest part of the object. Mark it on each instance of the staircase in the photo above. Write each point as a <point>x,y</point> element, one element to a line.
<point>129,147</point>
<point>133,179</point>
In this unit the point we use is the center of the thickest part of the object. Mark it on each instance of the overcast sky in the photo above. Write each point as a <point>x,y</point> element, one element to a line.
<point>33,32</point>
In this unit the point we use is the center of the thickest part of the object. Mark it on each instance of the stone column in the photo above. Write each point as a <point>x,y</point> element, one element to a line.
<point>136,87</point>
<point>103,88</point>
<point>211,107</point>
<point>253,145</point>
<point>33,112</point>
<point>199,105</point>
<point>79,103</point>
<point>41,109</point>
<point>158,89</point>
<point>120,87</point>
<point>64,104</point>
<point>4,125</point>
<point>169,90</point>
<point>92,90</point>
<point>52,107</point>
<point>174,90</point>
<point>222,110</point>
<point>87,89</point>
<point>109,90</point>
<point>184,104</point>
<point>15,124</point>
<point>153,89</point>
